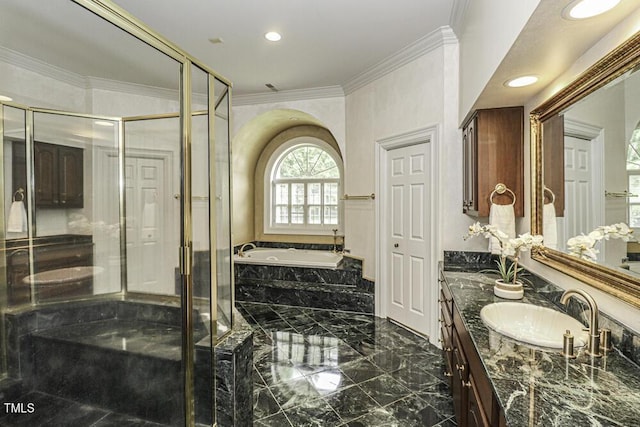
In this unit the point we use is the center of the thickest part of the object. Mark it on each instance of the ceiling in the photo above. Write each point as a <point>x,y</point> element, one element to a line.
<point>325,44</point>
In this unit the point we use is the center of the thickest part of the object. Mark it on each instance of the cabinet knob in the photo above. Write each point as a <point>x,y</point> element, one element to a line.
<point>466,384</point>
<point>460,367</point>
<point>448,374</point>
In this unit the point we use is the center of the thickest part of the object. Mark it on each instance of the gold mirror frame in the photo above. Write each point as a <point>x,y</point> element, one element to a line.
<point>622,59</point>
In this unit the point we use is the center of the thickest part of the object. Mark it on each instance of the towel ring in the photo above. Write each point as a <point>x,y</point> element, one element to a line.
<point>19,192</point>
<point>501,189</point>
<point>548,190</point>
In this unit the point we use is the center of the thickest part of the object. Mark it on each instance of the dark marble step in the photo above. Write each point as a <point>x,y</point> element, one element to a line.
<point>330,296</point>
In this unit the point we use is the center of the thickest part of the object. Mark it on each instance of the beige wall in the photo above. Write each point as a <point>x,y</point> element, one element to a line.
<point>254,126</point>
<point>489,29</point>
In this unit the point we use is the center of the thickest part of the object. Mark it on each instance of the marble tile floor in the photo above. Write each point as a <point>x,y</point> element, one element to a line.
<point>315,367</point>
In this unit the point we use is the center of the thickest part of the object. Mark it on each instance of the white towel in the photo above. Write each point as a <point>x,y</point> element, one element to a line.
<point>549,226</point>
<point>17,222</point>
<point>504,219</point>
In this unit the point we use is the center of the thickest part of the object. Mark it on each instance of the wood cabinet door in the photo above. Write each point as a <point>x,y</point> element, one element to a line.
<point>475,412</point>
<point>70,179</point>
<point>46,175</point>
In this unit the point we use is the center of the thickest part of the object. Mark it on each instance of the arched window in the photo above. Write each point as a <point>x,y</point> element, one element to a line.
<point>302,188</point>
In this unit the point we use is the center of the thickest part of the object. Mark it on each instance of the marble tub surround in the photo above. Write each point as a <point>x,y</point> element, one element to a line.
<point>541,387</point>
<point>342,288</point>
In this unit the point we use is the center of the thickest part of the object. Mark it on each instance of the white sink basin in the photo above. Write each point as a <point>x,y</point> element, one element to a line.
<point>531,324</point>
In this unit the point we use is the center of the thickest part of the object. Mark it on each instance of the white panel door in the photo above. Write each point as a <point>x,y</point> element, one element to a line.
<point>408,218</point>
<point>581,200</point>
<point>148,201</point>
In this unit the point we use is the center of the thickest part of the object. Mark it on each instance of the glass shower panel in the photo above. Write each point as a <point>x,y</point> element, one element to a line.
<point>201,268</point>
<point>152,189</point>
<point>76,228</point>
<point>14,245</point>
<point>224,273</point>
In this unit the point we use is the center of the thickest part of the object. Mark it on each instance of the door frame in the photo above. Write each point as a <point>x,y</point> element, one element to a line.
<point>426,135</point>
<point>594,136</point>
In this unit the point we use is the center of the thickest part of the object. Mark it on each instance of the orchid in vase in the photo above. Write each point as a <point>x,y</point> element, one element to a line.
<point>583,246</point>
<point>509,248</point>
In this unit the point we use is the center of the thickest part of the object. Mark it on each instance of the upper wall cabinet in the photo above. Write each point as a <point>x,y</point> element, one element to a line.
<point>493,153</point>
<point>58,174</point>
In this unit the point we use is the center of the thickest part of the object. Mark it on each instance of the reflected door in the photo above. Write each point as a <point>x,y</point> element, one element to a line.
<point>408,218</point>
<point>581,201</point>
<point>147,199</point>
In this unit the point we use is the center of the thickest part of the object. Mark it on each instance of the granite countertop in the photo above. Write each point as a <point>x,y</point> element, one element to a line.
<point>542,388</point>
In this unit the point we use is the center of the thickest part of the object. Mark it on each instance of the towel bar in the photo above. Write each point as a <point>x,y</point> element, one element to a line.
<point>501,189</point>
<point>371,196</point>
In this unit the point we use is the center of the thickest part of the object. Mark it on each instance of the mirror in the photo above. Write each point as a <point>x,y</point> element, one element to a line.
<point>586,172</point>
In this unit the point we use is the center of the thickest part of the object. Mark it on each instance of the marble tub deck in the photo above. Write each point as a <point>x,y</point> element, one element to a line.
<point>315,367</point>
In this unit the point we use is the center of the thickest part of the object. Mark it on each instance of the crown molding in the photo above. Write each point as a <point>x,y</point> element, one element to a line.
<point>438,38</point>
<point>458,12</point>
<point>35,65</point>
<point>88,83</point>
<point>288,95</point>
<point>136,88</point>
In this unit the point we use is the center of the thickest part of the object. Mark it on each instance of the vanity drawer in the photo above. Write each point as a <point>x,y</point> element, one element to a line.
<point>446,304</point>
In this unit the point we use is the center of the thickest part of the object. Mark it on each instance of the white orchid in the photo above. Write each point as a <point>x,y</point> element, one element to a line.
<point>508,247</point>
<point>583,246</point>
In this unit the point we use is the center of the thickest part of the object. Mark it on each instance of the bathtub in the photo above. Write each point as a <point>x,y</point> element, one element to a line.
<point>290,257</point>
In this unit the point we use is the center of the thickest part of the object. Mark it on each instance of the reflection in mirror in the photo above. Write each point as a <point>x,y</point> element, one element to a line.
<point>586,172</point>
<point>588,181</point>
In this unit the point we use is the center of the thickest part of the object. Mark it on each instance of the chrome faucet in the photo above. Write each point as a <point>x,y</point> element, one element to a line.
<point>241,251</point>
<point>593,347</point>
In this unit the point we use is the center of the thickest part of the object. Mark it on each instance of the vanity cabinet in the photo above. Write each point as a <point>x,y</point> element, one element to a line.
<point>474,401</point>
<point>493,152</point>
<point>58,171</point>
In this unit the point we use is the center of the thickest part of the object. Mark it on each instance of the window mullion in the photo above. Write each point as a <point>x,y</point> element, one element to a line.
<point>305,207</point>
<point>322,203</point>
<point>289,204</point>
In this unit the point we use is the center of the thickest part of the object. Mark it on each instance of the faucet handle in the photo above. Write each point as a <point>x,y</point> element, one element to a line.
<point>567,345</point>
<point>605,339</point>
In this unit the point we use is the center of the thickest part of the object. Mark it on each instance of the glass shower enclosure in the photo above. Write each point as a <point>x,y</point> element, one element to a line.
<point>115,266</point>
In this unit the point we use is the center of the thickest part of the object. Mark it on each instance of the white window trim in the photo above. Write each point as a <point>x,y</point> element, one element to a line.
<point>318,230</point>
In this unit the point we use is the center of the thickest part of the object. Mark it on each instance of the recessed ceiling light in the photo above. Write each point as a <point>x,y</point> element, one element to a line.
<point>103,123</point>
<point>521,81</point>
<point>583,9</point>
<point>5,98</point>
<point>272,36</point>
